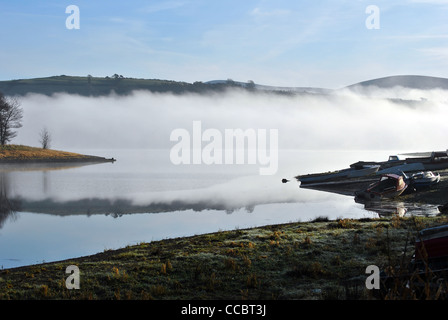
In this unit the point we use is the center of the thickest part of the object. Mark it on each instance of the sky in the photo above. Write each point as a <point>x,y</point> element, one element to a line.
<point>284,43</point>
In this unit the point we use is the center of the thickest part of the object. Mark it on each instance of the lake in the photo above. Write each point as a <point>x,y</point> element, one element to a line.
<point>55,213</point>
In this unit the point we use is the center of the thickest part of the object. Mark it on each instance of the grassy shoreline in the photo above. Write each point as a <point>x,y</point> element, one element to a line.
<point>303,260</point>
<point>25,154</point>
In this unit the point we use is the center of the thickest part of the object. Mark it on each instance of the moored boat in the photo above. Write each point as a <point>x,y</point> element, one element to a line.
<point>437,160</point>
<point>431,247</point>
<point>338,175</point>
<point>391,162</point>
<point>405,167</point>
<point>420,161</point>
<point>424,179</point>
<point>388,186</point>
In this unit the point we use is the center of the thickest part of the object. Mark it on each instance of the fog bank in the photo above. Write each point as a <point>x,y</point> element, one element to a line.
<point>371,119</point>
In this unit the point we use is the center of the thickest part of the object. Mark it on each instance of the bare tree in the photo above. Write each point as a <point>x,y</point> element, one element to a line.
<point>10,118</point>
<point>45,138</point>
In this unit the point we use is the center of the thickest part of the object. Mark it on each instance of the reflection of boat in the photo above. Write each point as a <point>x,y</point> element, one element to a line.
<point>389,186</point>
<point>384,208</point>
<point>389,207</point>
<point>338,175</point>
<point>424,179</point>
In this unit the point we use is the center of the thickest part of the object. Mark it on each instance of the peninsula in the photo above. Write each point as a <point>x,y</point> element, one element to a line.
<point>18,154</point>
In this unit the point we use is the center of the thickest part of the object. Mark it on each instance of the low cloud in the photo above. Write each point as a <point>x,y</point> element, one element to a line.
<point>370,119</point>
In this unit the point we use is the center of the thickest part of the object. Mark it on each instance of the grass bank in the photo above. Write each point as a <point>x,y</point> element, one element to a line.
<point>23,154</point>
<point>305,260</point>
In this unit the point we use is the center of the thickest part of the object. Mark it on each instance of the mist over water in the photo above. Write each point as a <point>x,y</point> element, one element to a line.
<point>364,119</point>
<point>369,119</point>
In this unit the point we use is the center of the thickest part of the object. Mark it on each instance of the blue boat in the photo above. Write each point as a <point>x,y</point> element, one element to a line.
<point>423,179</point>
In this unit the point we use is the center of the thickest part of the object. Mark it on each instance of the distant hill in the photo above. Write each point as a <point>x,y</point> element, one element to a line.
<point>407,81</point>
<point>88,86</point>
<point>98,86</point>
<point>275,88</point>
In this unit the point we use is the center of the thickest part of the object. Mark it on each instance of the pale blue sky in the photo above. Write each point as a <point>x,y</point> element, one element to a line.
<point>283,42</point>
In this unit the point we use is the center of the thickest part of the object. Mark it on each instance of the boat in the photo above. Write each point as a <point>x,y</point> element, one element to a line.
<point>389,186</point>
<point>391,162</point>
<point>338,175</point>
<point>443,208</point>
<point>425,276</point>
<point>424,179</point>
<point>431,247</point>
<point>437,160</point>
<point>420,161</point>
<point>405,167</point>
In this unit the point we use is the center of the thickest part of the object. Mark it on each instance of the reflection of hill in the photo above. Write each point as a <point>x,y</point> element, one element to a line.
<point>116,207</point>
<point>8,205</point>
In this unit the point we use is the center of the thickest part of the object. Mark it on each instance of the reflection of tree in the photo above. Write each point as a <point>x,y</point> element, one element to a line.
<point>45,174</point>
<point>8,207</point>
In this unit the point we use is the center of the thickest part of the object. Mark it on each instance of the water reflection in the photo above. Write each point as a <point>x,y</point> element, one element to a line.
<point>43,166</point>
<point>8,206</point>
<point>118,207</point>
<point>51,197</point>
<point>126,188</point>
<point>58,190</point>
<point>385,207</point>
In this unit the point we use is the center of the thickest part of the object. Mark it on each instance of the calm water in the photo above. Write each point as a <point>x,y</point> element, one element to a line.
<point>49,214</point>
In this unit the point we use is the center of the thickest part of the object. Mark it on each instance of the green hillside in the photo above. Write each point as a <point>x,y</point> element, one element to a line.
<point>97,86</point>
